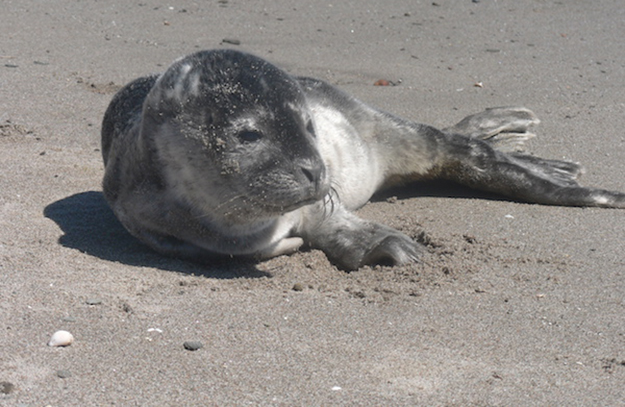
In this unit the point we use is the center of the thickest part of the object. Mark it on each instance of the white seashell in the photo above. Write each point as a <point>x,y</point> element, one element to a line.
<point>61,338</point>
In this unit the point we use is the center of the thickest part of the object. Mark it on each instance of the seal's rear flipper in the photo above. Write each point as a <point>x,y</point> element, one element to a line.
<point>556,184</point>
<point>505,128</point>
<point>477,164</point>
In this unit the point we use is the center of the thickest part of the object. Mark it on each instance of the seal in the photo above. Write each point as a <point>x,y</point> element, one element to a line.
<point>224,154</point>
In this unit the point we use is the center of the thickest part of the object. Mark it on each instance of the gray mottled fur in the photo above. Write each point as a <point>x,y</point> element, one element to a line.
<point>225,154</point>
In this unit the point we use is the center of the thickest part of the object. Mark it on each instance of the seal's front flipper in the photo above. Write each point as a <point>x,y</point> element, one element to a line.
<point>351,242</point>
<point>285,246</point>
<point>395,249</point>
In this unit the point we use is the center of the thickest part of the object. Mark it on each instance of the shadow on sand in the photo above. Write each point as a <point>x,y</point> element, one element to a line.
<point>437,189</point>
<point>90,226</point>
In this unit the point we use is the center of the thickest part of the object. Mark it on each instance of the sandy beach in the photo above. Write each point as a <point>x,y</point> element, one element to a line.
<point>513,305</point>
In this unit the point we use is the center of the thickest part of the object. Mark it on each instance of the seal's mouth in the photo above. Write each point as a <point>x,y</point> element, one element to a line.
<point>319,193</point>
<point>321,189</point>
<point>297,205</point>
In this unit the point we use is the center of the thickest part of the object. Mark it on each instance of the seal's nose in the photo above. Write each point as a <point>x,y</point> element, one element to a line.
<point>313,172</point>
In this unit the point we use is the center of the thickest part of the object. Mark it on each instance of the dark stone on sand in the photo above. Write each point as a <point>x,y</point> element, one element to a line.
<point>192,345</point>
<point>6,387</point>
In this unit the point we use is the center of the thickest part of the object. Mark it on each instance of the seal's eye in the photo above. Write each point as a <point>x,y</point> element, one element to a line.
<point>310,129</point>
<point>249,136</point>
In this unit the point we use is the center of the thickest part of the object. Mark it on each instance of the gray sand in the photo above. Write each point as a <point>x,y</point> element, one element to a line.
<point>515,304</point>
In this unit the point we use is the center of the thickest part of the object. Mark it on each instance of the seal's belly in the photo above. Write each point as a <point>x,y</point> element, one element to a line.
<point>351,163</point>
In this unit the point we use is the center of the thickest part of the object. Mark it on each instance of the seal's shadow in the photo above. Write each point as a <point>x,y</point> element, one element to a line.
<point>90,226</point>
<point>439,189</point>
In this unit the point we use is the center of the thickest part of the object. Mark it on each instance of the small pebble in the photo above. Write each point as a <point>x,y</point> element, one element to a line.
<point>6,387</point>
<point>61,338</point>
<point>470,239</point>
<point>127,308</point>
<point>298,287</point>
<point>93,301</point>
<point>192,345</point>
<point>64,374</point>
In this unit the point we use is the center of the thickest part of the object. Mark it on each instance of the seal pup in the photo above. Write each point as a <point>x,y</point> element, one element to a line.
<point>225,154</point>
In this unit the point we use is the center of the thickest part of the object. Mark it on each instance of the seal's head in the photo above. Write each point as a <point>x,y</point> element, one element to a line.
<point>234,137</point>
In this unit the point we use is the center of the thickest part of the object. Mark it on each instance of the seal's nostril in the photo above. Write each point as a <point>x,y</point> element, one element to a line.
<point>309,174</point>
<point>313,171</point>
